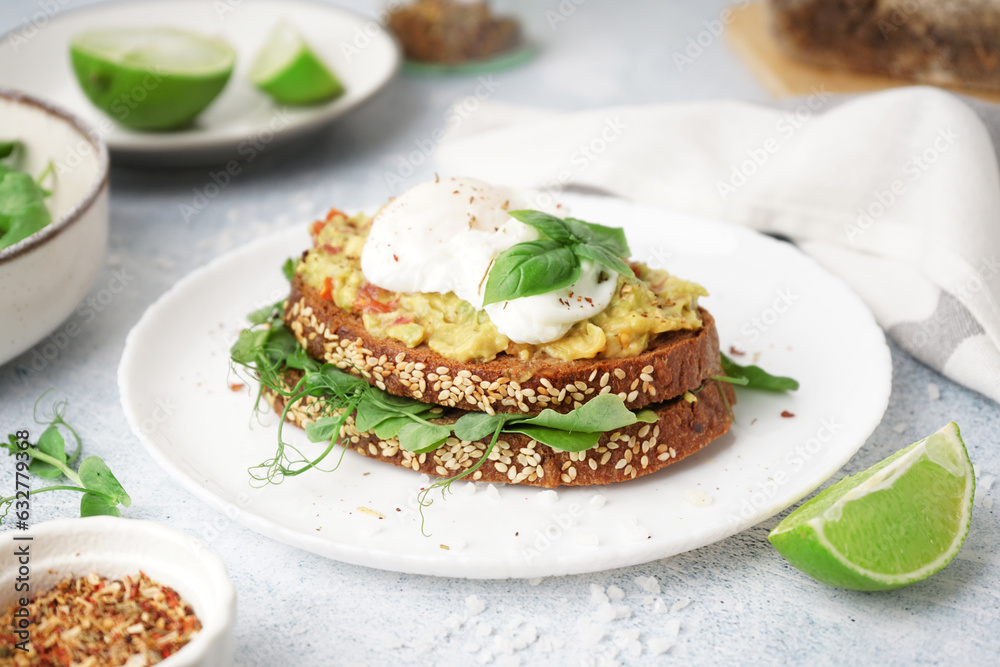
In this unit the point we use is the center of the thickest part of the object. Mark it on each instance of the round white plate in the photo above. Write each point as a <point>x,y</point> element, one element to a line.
<point>767,297</point>
<point>242,121</point>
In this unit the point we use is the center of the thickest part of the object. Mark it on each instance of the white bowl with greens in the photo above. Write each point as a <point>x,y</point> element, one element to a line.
<point>53,217</point>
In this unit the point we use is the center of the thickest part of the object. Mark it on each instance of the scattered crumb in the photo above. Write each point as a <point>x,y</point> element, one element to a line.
<point>597,501</point>
<point>658,645</point>
<point>474,606</point>
<point>933,391</point>
<point>736,352</point>
<point>236,386</point>
<point>467,489</point>
<point>697,498</point>
<point>680,604</point>
<point>753,421</point>
<point>445,547</point>
<point>615,593</point>
<point>492,492</point>
<point>786,414</point>
<point>370,512</point>
<point>548,497</point>
<point>900,427</point>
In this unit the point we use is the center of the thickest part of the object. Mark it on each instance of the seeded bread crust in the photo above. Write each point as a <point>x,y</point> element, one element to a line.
<point>676,362</point>
<point>683,428</point>
<point>943,42</point>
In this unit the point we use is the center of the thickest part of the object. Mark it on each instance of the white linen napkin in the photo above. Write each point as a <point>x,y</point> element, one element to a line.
<point>896,192</point>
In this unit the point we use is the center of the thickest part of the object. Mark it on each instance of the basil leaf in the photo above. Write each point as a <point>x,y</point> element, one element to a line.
<point>474,426</point>
<point>22,207</point>
<point>93,505</point>
<point>96,476</point>
<point>602,413</point>
<point>527,269</point>
<point>52,443</point>
<point>288,268</point>
<point>549,225</point>
<point>611,239</point>
<point>601,256</point>
<point>757,378</point>
<point>422,438</point>
<point>556,439</point>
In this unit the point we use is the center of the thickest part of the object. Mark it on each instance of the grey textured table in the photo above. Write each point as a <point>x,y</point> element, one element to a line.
<point>735,601</point>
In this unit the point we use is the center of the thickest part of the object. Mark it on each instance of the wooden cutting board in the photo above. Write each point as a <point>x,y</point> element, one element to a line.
<point>749,33</point>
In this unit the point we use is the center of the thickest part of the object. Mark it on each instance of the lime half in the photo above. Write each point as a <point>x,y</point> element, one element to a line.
<point>151,78</point>
<point>288,70</point>
<point>892,525</point>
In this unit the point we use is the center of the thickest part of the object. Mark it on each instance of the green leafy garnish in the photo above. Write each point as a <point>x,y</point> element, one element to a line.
<point>754,377</point>
<point>8,148</point>
<point>102,493</point>
<point>22,206</point>
<point>553,262</point>
<point>267,349</point>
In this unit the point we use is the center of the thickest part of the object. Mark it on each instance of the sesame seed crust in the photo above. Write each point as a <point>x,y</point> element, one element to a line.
<point>682,429</point>
<point>674,363</point>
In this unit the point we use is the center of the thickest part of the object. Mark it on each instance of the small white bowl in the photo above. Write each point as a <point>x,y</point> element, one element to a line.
<point>113,547</point>
<point>45,276</point>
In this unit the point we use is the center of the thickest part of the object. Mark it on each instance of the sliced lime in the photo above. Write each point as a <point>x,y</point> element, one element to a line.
<point>892,525</point>
<point>151,78</point>
<point>287,69</point>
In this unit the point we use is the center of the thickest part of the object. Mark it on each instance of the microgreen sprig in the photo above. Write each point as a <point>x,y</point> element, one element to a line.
<point>554,261</point>
<point>754,377</point>
<point>102,492</point>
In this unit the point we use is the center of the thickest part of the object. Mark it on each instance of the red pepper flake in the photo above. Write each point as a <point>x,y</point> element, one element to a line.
<point>736,352</point>
<point>327,291</point>
<point>317,227</point>
<point>786,414</point>
<point>236,386</point>
<point>370,300</point>
<point>334,213</point>
<point>395,258</point>
<point>96,621</point>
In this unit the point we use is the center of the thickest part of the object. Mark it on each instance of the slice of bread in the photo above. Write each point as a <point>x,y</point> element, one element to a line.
<point>674,362</point>
<point>683,428</point>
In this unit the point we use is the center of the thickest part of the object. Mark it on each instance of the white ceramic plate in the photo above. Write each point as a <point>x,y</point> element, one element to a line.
<point>766,296</point>
<point>241,121</point>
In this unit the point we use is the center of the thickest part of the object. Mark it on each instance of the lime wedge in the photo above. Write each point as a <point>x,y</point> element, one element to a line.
<point>892,525</point>
<point>287,69</point>
<point>151,78</point>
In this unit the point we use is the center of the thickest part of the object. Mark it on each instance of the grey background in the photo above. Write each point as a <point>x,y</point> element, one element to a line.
<point>747,605</point>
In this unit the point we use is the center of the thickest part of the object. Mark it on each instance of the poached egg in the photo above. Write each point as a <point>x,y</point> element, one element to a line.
<point>443,235</point>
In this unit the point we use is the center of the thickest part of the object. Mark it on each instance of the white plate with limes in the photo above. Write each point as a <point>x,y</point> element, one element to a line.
<point>242,121</point>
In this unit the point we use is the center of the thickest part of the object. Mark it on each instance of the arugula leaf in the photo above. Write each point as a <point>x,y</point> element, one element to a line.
<point>530,268</point>
<point>567,441</point>
<point>52,443</point>
<point>474,426</point>
<point>96,476</point>
<point>423,438</point>
<point>755,377</point>
<point>603,413</point>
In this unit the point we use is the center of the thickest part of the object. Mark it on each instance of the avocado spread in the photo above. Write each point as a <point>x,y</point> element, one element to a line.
<point>653,303</point>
